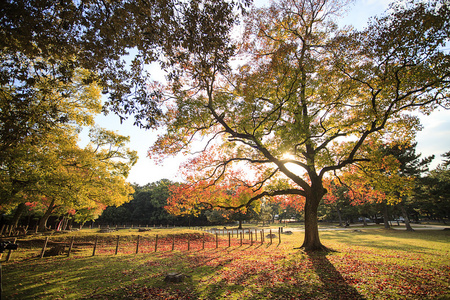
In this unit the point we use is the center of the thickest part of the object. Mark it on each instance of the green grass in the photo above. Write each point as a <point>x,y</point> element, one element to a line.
<point>371,264</point>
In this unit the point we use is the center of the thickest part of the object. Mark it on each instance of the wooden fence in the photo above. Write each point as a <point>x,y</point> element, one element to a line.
<point>135,244</point>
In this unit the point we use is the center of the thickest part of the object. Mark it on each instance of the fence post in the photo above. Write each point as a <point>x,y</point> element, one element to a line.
<point>45,246</point>
<point>241,237</point>
<point>8,256</point>
<point>156,243</point>
<point>117,245</point>
<point>70,247</point>
<point>189,243</point>
<point>217,241</point>
<point>279,234</point>
<point>262,236</point>
<point>95,245</point>
<point>270,236</point>
<point>251,238</point>
<point>203,241</point>
<point>173,242</point>
<point>137,244</point>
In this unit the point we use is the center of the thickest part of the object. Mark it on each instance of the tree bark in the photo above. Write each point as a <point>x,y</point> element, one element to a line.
<point>43,220</point>
<point>312,239</point>
<point>17,214</point>
<point>406,217</point>
<point>339,215</point>
<point>386,217</point>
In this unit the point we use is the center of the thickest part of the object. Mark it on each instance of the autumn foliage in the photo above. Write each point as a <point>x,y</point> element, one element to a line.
<point>305,102</point>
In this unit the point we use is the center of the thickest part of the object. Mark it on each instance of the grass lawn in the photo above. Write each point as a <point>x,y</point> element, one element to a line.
<point>367,264</point>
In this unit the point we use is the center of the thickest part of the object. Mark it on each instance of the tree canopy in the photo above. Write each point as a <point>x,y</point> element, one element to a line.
<point>98,36</point>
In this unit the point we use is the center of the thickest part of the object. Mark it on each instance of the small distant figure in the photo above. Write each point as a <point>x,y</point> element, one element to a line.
<point>347,224</point>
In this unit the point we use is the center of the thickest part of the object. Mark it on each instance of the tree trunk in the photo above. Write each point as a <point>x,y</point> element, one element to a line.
<point>406,217</point>
<point>43,220</point>
<point>312,239</point>
<point>386,217</point>
<point>339,215</point>
<point>17,214</point>
<point>240,224</point>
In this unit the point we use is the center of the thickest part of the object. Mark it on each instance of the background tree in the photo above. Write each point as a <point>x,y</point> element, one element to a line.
<point>146,208</point>
<point>44,162</point>
<point>432,192</point>
<point>410,166</point>
<point>267,213</point>
<point>86,179</point>
<point>307,95</point>
<point>34,119</point>
<point>337,202</point>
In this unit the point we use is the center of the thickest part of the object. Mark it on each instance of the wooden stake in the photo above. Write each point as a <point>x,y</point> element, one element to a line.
<point>156,243</point>
<point>203,242</point>
<point>173,242</point>
<point>8,256</point>
<point>45,246</point>
<point>137,244</point>
<point>95,245</point>
<point>70,247</point>
<point>117,245</point>
<point>279,235</point>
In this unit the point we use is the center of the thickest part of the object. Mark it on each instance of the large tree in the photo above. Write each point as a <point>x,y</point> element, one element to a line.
<point>41,160</point>
<point>308,98</point>
<point>85,179</point>
<point>34,120</point>
<point>44,44</point>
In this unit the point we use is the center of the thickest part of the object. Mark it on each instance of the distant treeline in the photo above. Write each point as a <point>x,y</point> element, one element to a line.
<point>147,208</point>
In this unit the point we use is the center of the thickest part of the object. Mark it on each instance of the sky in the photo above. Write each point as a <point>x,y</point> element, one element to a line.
<point>433,139</point>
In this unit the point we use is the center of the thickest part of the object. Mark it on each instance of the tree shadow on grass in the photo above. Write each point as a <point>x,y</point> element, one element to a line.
<point>334,285</point>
